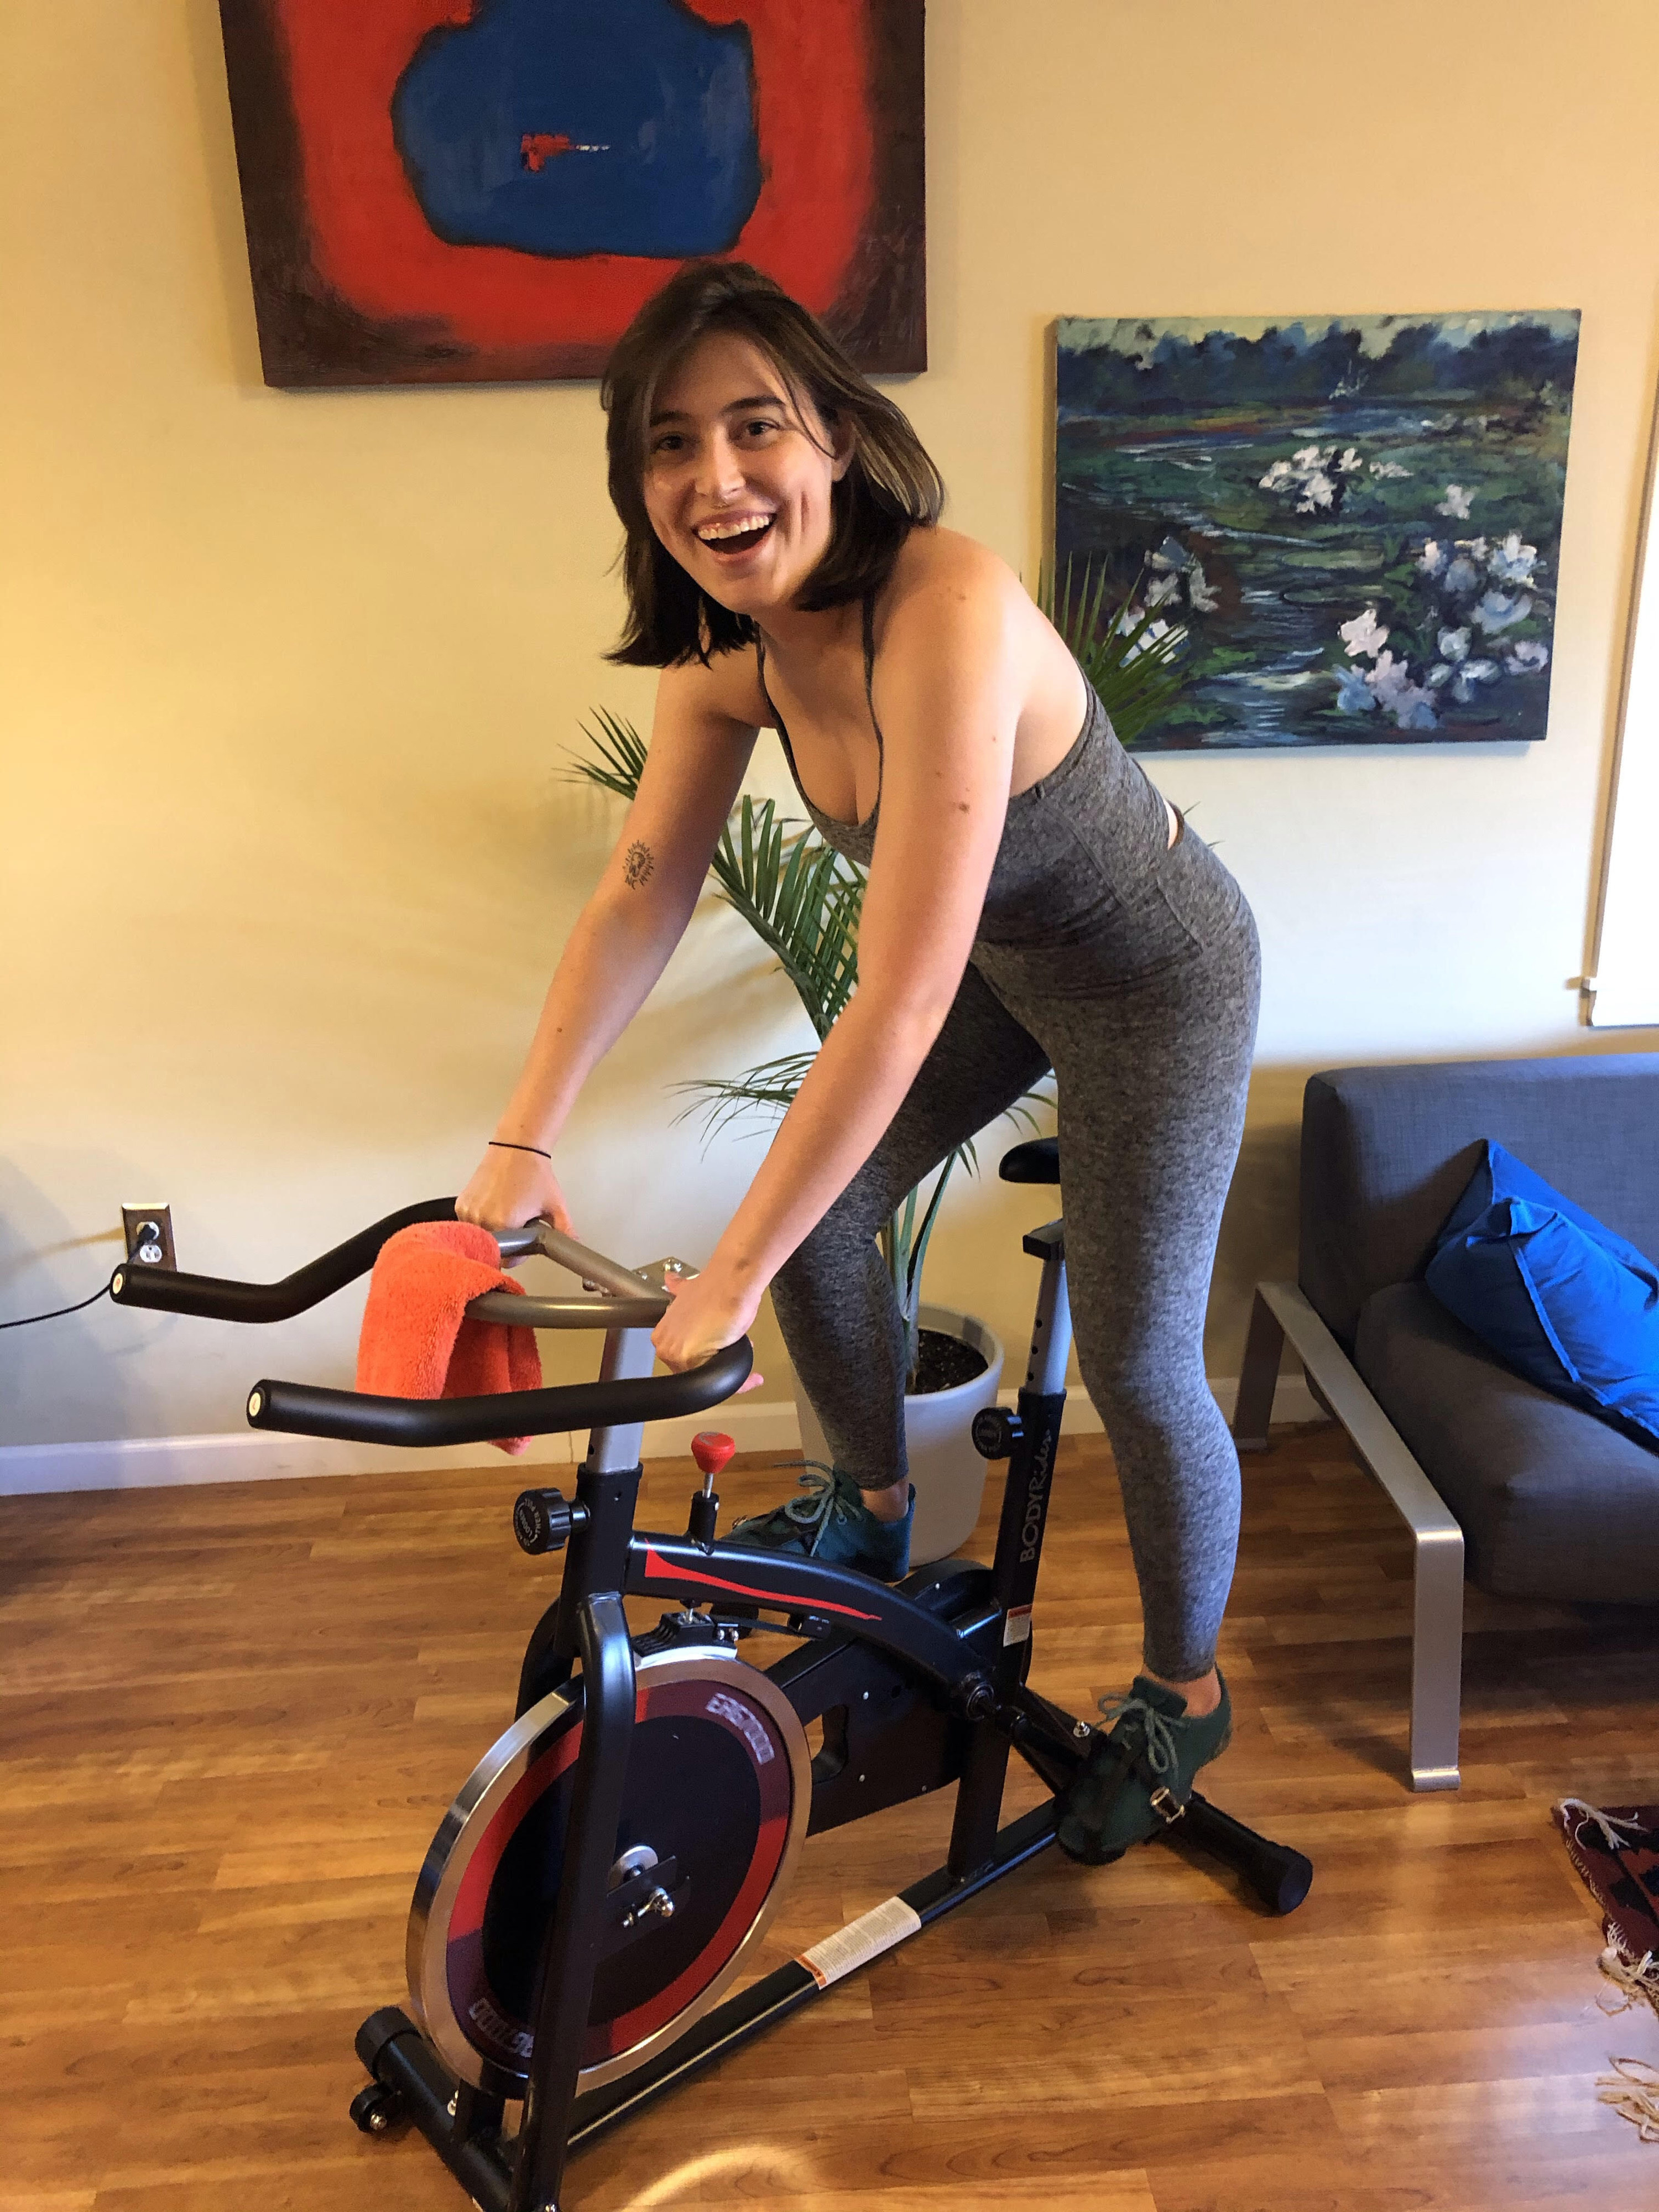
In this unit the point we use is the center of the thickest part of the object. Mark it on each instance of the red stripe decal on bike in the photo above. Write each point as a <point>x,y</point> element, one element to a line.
<point>658,1568</point>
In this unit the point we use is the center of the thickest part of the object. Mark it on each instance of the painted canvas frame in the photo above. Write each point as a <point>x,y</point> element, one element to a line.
<point>485,191</point>
<point>1356,520</point>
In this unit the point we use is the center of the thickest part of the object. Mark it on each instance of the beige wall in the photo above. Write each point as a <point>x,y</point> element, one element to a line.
<point>287,679</point>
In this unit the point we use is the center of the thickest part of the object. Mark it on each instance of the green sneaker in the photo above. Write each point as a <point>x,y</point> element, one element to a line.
<point>1140,1774</point>
<point>831,1524</point>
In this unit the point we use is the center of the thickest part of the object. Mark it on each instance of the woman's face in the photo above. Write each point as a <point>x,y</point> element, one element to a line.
<point>737,479</point>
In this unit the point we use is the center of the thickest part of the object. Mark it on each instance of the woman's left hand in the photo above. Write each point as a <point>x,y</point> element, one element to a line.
<point>706,1315</point>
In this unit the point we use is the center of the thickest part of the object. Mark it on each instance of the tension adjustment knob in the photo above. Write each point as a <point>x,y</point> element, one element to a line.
<point>541,1521</point>
<point>996,1431</point>
<point>711,1450</point>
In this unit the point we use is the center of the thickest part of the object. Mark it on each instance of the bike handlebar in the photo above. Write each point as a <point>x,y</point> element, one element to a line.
<point>304,1409</point>
<point>216,1297</point>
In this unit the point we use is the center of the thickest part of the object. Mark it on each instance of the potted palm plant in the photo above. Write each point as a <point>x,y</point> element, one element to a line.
<point>803,899</point>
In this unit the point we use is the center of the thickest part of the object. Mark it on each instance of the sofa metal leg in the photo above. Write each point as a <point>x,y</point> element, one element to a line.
<point>1258,1378</point>
<point>1438,1620</point>
<point>1436,1657</point>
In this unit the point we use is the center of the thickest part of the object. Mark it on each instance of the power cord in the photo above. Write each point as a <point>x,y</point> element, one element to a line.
<point>30,1320</point>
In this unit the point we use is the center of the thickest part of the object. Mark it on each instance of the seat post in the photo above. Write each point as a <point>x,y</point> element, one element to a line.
<point>1051,1325</point>
<point>1036,1438</point>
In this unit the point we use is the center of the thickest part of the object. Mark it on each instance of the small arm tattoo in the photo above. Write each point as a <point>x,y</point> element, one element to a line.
<point>637,865</point>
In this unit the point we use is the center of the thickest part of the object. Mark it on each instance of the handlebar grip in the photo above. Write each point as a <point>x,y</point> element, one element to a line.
<point>215,1298</point>
<point>301,1409</point>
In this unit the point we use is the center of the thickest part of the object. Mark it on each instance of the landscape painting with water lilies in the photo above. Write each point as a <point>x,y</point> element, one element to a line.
<point>1355,521</point>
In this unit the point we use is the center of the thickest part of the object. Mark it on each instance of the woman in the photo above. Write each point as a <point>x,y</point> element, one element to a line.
<point>1032,903</point>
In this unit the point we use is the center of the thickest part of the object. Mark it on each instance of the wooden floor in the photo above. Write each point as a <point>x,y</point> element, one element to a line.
<point>230,1719</point>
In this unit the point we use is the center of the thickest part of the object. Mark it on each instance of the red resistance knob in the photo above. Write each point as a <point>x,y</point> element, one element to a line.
<point>711,1450</point>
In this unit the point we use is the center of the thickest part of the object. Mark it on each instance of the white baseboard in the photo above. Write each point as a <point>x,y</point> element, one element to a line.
<point>251,1456</point>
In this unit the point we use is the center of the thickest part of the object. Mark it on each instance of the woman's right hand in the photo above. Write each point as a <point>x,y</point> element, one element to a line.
<point>508,1188</point>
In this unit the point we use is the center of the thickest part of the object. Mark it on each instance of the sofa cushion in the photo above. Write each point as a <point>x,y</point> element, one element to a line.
<point>1387,1151</point>
<point>1559,1298</point>
<point>1553,1501</point>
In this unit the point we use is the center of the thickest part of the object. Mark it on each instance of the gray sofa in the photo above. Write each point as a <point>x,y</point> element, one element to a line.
<point>1492,1474</point>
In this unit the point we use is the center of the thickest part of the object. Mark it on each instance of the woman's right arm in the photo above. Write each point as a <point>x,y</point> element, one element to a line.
<point>703,734</point>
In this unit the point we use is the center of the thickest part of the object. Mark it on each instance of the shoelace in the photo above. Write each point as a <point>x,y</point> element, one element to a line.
<point>1162,1755</point>
<point>811,1510</point>
<point>817,1481</point>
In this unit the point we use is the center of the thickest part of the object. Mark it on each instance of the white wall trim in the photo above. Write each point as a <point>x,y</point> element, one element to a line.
<point>250,1456</point>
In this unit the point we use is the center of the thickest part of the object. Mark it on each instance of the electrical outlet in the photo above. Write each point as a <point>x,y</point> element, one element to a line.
<point>149,1235</point>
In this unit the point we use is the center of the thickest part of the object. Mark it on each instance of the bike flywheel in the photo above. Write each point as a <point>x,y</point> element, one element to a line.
<point>715,1805</point>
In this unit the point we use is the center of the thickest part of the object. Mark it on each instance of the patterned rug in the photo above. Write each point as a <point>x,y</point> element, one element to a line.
<point>1616,1850</point>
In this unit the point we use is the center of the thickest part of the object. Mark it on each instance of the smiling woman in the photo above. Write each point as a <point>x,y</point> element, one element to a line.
<point>1030,903</point>
<point>722,476</point>
<point>763,375</point>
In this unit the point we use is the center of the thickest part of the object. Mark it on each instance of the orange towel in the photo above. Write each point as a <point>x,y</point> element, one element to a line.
<point>416,1340</point>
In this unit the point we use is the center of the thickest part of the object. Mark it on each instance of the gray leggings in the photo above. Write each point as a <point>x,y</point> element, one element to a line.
<point>1144,1003</point>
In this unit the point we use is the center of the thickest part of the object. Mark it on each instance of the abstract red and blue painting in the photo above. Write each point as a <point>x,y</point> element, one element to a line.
<point>485,191</point>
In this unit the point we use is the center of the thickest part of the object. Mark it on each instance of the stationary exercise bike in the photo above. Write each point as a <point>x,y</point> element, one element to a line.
<point>610,1865</point>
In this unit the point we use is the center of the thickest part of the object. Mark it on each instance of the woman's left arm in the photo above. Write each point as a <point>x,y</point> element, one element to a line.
<point>950,689</point>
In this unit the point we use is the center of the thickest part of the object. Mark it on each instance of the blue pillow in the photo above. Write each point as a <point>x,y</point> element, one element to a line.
<point>1558,1297</point>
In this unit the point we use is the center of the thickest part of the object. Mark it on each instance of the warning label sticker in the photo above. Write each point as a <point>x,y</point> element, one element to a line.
<point>860,1941</point>
<point>1017,1624</point>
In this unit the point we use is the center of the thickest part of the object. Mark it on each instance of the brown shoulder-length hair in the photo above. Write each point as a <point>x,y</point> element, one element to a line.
<point>890,487</point>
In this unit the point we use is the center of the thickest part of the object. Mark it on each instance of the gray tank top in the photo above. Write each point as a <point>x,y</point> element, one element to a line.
<point>1078,869</point>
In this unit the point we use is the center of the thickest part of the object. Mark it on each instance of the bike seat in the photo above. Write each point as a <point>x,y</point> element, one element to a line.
<point>1036,1161</point>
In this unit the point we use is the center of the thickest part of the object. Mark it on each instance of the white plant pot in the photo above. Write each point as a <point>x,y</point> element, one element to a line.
<point>948,1473</point>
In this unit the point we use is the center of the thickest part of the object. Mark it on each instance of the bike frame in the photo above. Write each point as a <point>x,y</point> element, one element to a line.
<point>585,1627</point>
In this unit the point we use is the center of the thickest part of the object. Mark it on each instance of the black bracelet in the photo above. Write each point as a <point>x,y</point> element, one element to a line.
<point>502,1146</point>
